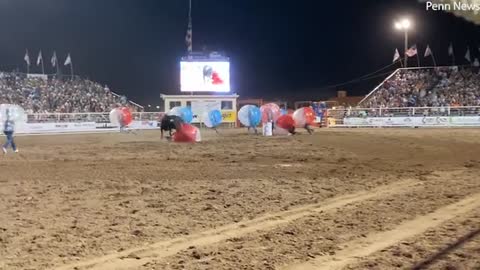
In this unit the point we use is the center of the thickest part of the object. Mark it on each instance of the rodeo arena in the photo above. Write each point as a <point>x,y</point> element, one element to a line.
<point>388,180</point>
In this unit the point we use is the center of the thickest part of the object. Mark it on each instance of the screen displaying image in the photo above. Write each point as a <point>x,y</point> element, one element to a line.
<point>205,76</point>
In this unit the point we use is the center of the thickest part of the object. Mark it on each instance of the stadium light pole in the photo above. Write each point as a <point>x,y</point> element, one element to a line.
<point>404,25</point>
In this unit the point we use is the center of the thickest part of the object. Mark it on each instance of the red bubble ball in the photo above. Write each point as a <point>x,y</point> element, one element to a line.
<point>270,111</point>
<point>309,115</point>
<point>126,116</point>
<point>286,122</point>
<point>187,133</point>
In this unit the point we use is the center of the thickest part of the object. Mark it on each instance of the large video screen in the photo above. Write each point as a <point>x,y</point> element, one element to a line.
<point>204,76</point>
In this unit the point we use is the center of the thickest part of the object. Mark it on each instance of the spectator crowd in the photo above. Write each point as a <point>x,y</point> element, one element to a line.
<point>41,95</point>
<point>438,87</point>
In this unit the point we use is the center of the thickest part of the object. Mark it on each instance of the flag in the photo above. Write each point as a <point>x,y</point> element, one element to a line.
<point>68,61</point>
<point>467,55</point>
<point>27,58</point>
<point>188,37</point>
<point>412,51</point>
<point>476,63</point>
<point>450,50</point>
<point>428,51</point>
<point>54,59</point>
<point>396,56</point>
<point>39,58</point>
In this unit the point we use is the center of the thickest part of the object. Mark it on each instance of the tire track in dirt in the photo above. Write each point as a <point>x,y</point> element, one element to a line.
<point>133,258</point>
<point>356,249</point>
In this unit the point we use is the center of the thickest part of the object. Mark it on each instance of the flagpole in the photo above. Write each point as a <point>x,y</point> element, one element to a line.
<point>54,61</point>
<point>469,59</point>
<point>453,55</point>
<point>27,56</point>
<point>397,58</point>
<point>190,25</point>
<point>71,68</point>
<point>43,67</point>
<point>406,47</point>
<point>190,10</point>
<point>190,20</point>
<point>418,59</point>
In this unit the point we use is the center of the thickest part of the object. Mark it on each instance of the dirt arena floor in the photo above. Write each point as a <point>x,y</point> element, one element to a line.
<point>339,199</point>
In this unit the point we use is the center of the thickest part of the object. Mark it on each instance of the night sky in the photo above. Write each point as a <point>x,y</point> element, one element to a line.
<point>277,48</point>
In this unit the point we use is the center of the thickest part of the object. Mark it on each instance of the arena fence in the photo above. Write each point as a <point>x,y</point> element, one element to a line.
<point>51,123</point>
<point>87,117</point>
<point>404,117</point>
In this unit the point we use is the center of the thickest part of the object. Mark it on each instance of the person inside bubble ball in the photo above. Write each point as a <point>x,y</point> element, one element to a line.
<point>123,124</point>
<point>8,130</point>
<point>254,130</point>
<point>123,127</point>
<point>292,131</point>
<point>306,127</point>
<point>250,116</point>
<point>309,129</point>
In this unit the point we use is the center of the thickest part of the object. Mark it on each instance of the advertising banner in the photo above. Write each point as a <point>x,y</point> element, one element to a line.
<point>144,125</point>
<point>419,121</point>
<point>229,116</point>
<point>32,128</point>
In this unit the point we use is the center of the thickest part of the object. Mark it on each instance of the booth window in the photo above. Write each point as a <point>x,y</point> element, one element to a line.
<point>189,104</point>
<point>227,105</point>
<point>174,104</point>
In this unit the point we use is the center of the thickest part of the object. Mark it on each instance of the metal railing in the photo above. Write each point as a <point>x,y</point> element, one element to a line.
<point>425,116</point>
<point>412,111</point>
<point>87,117</point>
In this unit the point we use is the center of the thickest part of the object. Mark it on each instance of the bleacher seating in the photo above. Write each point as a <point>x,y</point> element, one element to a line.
<point>427,87</point>
<point>40,95</point>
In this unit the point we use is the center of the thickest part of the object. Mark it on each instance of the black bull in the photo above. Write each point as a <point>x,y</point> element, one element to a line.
<point>169,123</point>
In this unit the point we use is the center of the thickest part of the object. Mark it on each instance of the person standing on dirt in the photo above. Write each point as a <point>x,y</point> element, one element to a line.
<point>254,130</point>
<point>309,129</point>
<point>270,118</point>
<point>123,125</point>
<point>8,130</point>
<point>250,116</point>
